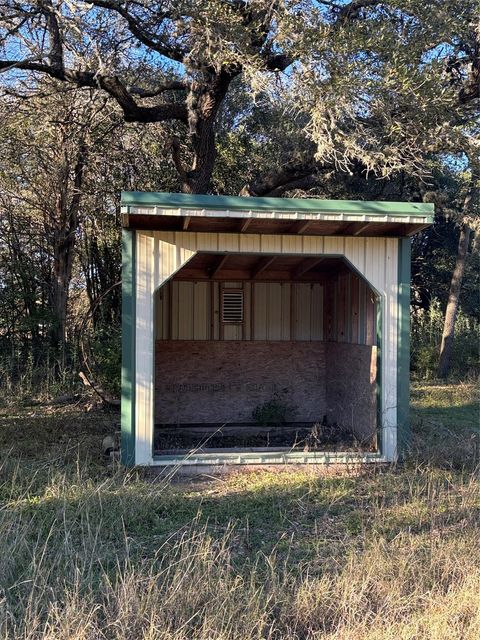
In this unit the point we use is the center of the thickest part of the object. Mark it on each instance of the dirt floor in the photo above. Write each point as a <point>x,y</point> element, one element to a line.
<point>298,436</point>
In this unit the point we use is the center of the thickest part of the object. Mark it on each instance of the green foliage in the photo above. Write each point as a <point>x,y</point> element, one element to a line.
<point>275,411</point>
<point>106,354</point>
<point>33,180</point>
<point>434,250</point>
<point>426,335</point>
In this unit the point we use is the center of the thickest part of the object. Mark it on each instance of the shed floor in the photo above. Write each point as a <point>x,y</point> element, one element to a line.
<point>180,439</point>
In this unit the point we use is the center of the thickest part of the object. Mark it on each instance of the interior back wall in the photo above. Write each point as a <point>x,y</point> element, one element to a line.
<point>201,382</point>
<point>341,309</point>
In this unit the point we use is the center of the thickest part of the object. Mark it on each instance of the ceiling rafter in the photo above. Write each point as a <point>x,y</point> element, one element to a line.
<point>244,224</point>
<point>218,266</point>
<point>306,265</point>
<point>262,265</point>
<point>300,226</point>
<point>361,228</point>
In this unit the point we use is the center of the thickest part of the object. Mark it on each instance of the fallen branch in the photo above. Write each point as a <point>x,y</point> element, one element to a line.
<point>99,390</point>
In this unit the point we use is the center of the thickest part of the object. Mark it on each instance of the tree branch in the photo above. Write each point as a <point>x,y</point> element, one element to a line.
<point>56,47</point>
<point>173,85</point>
<point>111,84</point>
<point>136,29</point>
<point>291,176</point>
<point>307,182</point>
<point>352,9</point>
<point>471,90</point>
<point>177,160</point>
<point>278,61</point>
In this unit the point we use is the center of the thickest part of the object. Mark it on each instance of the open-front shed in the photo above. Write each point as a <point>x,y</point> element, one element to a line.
<point>265,330</point>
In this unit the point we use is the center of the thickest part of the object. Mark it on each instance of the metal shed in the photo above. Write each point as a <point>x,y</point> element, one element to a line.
<point>234,307</point>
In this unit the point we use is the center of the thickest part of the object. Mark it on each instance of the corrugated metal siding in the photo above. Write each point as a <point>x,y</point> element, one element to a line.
<point>161,254</point>
<point>272,311</point>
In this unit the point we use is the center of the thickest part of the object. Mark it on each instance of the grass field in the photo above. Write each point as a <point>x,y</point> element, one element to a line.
<point>93,552</point>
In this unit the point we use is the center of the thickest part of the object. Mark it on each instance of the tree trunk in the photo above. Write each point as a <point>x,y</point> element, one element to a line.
<point>65,224</point>
<point>204,103</point>
<point>60,285</point>
<point>453,301</point>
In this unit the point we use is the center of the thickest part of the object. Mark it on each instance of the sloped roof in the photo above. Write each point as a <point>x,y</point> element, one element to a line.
<point>234,214</point>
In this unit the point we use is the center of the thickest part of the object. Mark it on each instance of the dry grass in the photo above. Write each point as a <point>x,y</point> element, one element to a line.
<point>90,552</point>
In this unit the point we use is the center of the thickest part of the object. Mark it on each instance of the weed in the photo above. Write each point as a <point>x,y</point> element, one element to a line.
<point>276,411</point>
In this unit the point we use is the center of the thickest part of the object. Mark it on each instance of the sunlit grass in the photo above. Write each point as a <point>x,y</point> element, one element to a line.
<point>90,551</point>
<point>455,405</point>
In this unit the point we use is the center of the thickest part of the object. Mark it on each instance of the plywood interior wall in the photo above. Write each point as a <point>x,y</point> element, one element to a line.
<point>350,387</point>
<point>203,382</point>
<point>219,382</point>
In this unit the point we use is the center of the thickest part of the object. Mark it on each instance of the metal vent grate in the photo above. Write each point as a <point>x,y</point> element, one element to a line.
<point>232,307</point>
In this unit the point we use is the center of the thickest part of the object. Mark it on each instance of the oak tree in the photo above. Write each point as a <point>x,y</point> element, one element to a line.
<point>369,82</point>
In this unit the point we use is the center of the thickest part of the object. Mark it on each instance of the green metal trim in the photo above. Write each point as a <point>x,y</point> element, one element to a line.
<point>189,201</point>
<point>403,347</point>
<point>128,349</point>
<point>361,313</point>
<point>378,381</point>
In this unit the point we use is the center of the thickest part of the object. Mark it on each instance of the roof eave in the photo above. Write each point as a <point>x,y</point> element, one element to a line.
<point>237,204</point>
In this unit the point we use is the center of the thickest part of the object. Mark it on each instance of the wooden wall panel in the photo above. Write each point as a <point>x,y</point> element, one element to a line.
<point>215,382</point>
<point>189,307</point>
<point>349,311</point>
<point>350,388</point>
<point>342,311</point>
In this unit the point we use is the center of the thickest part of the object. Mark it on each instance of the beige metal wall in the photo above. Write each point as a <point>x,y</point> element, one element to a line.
<point>159,255</point>
<point>272,311</point>
<point>341,310</point>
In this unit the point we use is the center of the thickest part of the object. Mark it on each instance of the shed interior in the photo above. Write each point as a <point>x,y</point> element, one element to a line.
<point>265,352</point>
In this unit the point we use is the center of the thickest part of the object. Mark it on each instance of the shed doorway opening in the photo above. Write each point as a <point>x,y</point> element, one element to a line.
<point>265,353</point>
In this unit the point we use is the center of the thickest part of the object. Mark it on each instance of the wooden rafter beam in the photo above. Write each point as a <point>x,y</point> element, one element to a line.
<point>300,226</point>
<point>261,265</point>
<point>218,266</point>
<point>305,266</point>
<point>393,230</point>
<point>186,223</point>
<point>353,229</point>
<point>415,229</point>
<point>244,224</point>
<point>346,229</point>
<point>361,228</point>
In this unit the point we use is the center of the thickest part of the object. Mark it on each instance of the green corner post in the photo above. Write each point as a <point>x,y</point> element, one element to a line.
<point>403,348</point>
<point>378,385</point>
<point>128,349</point>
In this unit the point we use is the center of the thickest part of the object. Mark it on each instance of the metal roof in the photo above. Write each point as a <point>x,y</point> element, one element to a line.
<point>234,214</point>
